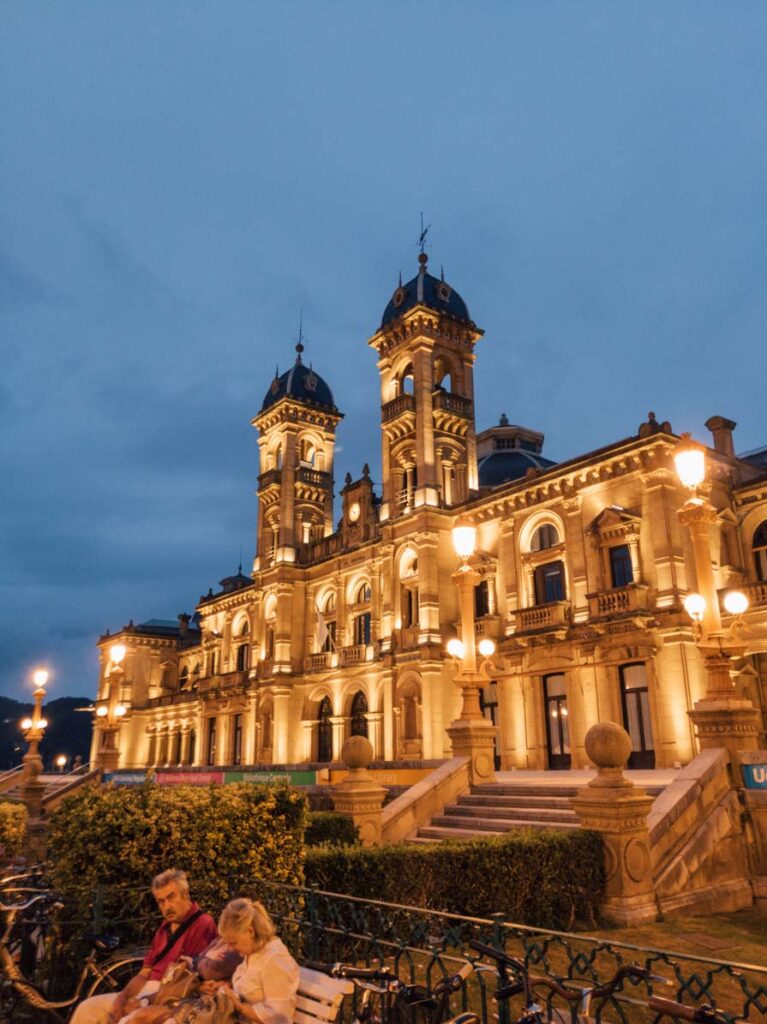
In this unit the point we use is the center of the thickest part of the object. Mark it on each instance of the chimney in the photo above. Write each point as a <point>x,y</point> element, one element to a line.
<point>722,429</point>
<point>183,625</point>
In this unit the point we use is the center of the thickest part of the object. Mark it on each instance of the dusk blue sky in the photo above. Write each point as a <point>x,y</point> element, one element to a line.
<point>180,179</point>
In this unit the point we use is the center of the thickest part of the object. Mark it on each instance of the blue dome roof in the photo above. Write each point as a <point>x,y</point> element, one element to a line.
<point>500,467</point>
<point>300,382</point>
<point>425,290</point>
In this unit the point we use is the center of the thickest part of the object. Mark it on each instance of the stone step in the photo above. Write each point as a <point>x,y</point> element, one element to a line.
<point>506,789</point>
<point>493,800</point>
<point>490,824</point>
<point>437,833</point>
<point>552,814</point>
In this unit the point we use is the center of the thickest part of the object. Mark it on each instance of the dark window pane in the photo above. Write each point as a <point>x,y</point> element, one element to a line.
<point>621,571</point>
<point>549,583</point>
<point>481,599</point>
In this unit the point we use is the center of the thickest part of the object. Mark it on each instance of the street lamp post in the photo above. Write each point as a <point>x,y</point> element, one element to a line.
<point>721,717</point>
<point>34,729</point>
<point>471,735</point>
<point>110,715</point>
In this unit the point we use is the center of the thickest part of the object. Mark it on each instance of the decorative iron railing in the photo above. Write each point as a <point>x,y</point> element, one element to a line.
<point>423,945</point>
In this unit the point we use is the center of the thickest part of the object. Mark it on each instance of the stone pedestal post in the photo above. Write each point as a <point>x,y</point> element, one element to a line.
<point>359,795</point>
<point>612,805</point>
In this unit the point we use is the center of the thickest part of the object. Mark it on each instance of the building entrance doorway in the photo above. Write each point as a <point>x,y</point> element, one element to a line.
<point>636,715</point>
<point>325,732</point>
<point>557,725</point>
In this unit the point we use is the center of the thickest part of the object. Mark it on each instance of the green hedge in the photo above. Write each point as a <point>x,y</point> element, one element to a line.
<point>330,828</point>
<point>548,879</point>
<point>13,827</point>
<point>120,837</point>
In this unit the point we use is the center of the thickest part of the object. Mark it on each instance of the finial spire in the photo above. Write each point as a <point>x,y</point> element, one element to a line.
<point>400,278</point>
<point>422,256</point>
<point>300,343</point>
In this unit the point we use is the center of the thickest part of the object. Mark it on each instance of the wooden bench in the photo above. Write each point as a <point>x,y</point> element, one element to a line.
<point>320,997</point>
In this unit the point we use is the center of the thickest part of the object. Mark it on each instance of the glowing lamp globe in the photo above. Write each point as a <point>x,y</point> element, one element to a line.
<point>690,461</point>
<point>117,653</point>
<point>40,677</point>
<point>464,540</point>
<point>42,723</point>
<point>120,710</point>
<point>735,602</point>
<point>101,711</point>
<point>486,647</point>
<point>26,723</point>
<point>455,647</point>
<point>695,606</point>
<point>61,760</point>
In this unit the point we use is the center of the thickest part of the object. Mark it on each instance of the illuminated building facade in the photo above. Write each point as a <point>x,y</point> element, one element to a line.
<point>342,629</point>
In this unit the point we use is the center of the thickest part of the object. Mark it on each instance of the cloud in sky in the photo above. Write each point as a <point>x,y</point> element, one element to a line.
<point>180,180</point>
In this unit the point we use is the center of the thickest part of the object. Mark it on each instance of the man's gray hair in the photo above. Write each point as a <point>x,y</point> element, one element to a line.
<point>171,875</point>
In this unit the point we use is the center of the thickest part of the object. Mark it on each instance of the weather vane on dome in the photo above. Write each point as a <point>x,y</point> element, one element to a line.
<point>300,343</point>
<point>422,237</point>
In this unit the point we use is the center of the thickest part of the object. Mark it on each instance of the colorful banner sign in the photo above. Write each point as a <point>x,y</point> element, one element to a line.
<point>292,778</point>
<point>189,778</point>
<point>125,778</point>
<point>755,776</point>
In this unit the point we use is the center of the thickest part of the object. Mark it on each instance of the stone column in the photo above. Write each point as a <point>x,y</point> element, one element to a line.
<point>359,795</point>
<point>612,805</point>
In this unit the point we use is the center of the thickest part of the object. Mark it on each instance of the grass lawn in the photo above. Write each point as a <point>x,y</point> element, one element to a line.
<point>740,936</point>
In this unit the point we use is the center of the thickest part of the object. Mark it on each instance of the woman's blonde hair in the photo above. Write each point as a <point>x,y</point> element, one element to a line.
<point>241,914</point>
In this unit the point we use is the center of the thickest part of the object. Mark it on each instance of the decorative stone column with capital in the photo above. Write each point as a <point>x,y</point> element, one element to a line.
<point>614,806</point>
<point>359,795</point>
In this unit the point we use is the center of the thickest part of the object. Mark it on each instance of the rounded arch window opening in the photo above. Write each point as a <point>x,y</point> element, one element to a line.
<point>324,731</point>
<point>759,549</point>
<point>359,722</point>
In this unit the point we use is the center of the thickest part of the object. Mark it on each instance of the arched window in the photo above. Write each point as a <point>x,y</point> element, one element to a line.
<point>242,657</point>
<point>545,536</point>
<point>326,625</point>
<point>406,385</point>
<point>325,731</point>
<point>443,378</point>
<point>363,594</point>
<point>183,678</point>
<point>759,547</point>
<point>359,724</point>
<point>308,454</point>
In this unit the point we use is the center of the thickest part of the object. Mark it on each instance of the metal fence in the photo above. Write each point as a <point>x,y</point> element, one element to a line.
<point>423,945</point>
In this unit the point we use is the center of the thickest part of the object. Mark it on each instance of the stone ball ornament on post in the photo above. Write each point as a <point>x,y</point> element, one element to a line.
<point>612,805</point>
<point>359,795</point>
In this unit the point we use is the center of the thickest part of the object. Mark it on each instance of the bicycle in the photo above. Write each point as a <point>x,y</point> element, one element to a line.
<point>579,1001</point>
<point>703,1014</point>
<point>103,971</point>
<point>400,1003</point>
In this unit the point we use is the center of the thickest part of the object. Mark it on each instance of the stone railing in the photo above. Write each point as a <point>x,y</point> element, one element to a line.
<point>398,405</point>
<point>488,625</point>
<point>618,600</point>
<point>271,476</point>
<point>354,655</point>
<point>543,616</point>
<point>317,662</point>
<point>425,800</point>
<point>313,477</point>
<point>408,637</point>
<point>755,592</point>
<point>453,403</point>
<point>168,699</point>
<point>319,549</point>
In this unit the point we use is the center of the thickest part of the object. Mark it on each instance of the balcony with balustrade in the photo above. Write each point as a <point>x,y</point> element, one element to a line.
<point>270,478</point>
<point>319,661</point>
<point>487,626</point>
<point>618,601</point>
<point>446,401</point>
<point>356,654</point>
<point>555,615</point>
<point>398,406</point>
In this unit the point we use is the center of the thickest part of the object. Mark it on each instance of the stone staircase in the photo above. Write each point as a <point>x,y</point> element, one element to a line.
<point>495,808</point>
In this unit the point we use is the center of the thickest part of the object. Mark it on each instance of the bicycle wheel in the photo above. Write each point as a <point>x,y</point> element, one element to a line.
<point>115,976</point>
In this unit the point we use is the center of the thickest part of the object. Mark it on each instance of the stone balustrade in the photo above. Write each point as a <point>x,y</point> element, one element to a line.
<point>618,600</point>
<point>542,616</point>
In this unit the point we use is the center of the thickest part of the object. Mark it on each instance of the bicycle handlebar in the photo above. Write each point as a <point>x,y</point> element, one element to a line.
<point>705,1014</point>
<point>346,971</point>
<point>16,907</point>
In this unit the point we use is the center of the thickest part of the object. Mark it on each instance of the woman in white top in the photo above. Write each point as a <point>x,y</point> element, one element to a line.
<point>264,986</point>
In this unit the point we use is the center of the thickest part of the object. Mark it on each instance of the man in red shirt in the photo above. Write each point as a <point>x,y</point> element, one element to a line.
<point>185,931</point>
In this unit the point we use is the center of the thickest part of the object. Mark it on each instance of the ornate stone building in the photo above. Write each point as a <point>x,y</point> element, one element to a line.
<point>341,628</point>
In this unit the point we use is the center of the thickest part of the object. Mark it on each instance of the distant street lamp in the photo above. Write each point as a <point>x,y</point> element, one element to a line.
<point>34,729</point>
<point>722,718</point>
<point>471,735</point>
<point>61,761</point>
<point>110,714</point>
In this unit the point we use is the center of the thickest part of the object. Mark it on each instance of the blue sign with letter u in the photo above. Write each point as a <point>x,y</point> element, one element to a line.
<point>755,776</point>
